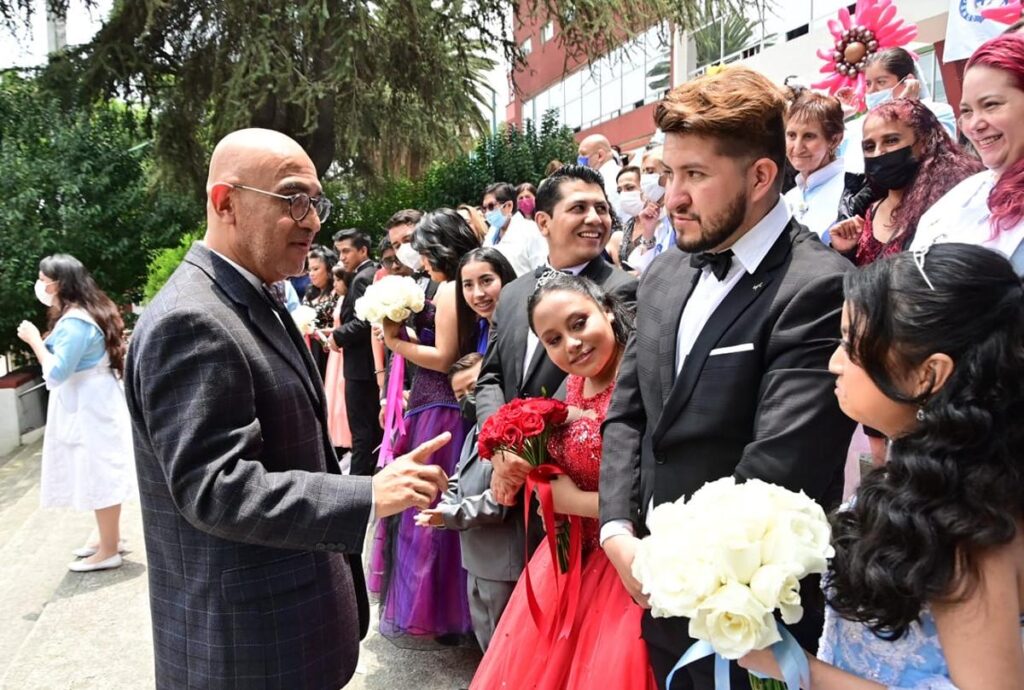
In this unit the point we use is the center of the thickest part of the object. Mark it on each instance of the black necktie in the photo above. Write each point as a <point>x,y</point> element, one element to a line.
<point>719,263</point>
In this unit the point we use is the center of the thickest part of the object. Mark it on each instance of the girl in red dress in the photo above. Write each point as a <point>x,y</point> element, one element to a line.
<point>584,332</point>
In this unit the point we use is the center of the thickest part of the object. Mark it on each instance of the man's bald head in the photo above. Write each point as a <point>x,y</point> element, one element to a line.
<point>246,153</point>
<point>597,150</point>
<point>246,222</point>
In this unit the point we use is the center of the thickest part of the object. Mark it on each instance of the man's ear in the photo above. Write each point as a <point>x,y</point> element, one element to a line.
<point>765,178</point>
<point>220,198</point>
<point>542,219</point>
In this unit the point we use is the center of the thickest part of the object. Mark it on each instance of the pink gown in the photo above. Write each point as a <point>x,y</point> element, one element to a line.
<point>334,387</point>
<point>604,648</point>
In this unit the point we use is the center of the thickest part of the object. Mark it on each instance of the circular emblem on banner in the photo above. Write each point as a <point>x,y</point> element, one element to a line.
<point>970,10</point>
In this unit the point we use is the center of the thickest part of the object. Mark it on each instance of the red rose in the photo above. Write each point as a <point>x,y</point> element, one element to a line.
<point>532,424</point>
<point>512,439</point>
<point>553,411</point>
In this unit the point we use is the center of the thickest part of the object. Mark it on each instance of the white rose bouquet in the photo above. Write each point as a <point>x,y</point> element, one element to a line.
<point>394,298</point>
<point>304,317</point>
<point>728,559</point>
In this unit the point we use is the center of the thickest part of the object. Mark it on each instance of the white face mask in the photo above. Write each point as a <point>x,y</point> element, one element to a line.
<point>42,295</point>
<point>409,256</point>
<point>631,203</point>
<point>652,190</point>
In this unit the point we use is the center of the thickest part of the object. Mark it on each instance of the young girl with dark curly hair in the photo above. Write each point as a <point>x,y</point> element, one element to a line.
<point>927,585</point>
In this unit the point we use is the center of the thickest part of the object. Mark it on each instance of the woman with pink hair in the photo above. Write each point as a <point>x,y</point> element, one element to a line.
<point>910,162</point>
<point>987,208</point>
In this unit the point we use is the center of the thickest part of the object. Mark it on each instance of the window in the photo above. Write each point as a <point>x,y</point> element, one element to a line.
<point>547,32</point>
<point>931,76</point>
<point>526,46</point>
<point>611,85</point>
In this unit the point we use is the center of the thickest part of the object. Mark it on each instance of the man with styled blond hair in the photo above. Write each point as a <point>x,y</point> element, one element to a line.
<point>727,373</point>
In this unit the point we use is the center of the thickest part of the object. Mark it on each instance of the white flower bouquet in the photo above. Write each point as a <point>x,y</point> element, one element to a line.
<point>727,559</point>
<point>304,317</point>
<point>394,298</point>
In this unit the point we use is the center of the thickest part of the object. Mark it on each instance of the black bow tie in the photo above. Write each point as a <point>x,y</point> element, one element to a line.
<point>719,263</point>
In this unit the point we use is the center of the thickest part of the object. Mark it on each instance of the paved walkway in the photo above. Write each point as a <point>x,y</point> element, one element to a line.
<point>62,630</point>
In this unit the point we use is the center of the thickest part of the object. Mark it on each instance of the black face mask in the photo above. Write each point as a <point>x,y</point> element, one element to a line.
<point>467,405</point>
<point>893,170</point>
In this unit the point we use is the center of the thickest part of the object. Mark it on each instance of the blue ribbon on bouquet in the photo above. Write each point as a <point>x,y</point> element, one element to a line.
<point>796,672</point>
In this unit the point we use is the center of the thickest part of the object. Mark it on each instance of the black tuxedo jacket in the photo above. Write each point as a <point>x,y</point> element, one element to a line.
<point>754,398</point>
<point>501,377</point>
<point>353,335</point>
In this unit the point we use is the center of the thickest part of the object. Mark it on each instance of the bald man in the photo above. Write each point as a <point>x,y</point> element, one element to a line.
<point>595,152</point>
<point>253,535</point>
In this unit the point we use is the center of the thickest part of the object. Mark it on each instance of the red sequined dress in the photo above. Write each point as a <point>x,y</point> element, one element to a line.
<point>604,648</point>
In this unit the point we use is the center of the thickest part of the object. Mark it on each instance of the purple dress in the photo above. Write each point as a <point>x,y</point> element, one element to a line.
<point>423,593</point>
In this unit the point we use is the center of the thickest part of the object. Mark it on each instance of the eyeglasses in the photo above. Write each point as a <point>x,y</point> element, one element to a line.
<point>298,204</point>
<point>919,255</point>
<point>390,262</point>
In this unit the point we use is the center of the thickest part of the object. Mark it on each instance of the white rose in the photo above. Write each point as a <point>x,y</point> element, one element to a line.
<point>734,554</point>
<point>795,539</point>
<point>675,582</point>
<point>304,316</point>
<point>777,587</point>
<point>397,314</point>
<point>734,622</point>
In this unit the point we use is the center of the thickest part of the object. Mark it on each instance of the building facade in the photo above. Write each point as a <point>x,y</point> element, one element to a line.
<point>616,94</point>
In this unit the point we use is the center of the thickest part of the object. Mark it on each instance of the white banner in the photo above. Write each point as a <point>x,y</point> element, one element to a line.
<point>966,29</point>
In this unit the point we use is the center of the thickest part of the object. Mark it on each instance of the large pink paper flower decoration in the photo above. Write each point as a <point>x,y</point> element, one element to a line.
<point>1007,14</point>
<point>872,28</point>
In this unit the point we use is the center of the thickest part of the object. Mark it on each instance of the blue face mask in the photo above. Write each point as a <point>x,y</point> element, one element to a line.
<point>496,219</point>
<point>582,160</point>
<point>873,100</point>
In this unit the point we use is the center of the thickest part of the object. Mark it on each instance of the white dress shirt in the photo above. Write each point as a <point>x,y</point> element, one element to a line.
<point>962,215</point>
<point>814,202</point>
<point>708,294</point>
<point>522,244</point>
<point>532,341</point>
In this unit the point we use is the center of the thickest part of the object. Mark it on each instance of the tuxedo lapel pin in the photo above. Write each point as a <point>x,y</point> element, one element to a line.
<point>758,286</point>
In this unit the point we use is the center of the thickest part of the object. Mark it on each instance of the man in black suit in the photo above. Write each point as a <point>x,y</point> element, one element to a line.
<point>727,372</point>
<point>253,535</point>
<point>574,216</point>
<point>353,338</point>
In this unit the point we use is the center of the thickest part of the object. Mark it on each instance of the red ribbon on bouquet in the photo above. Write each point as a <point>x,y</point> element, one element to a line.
<point>558,622</point>
<point>394,414</point>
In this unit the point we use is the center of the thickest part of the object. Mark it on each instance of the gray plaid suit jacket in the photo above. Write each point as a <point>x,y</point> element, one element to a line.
<point>252,534</point>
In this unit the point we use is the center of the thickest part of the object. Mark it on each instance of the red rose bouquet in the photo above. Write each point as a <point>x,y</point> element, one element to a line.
<point>522,426</point>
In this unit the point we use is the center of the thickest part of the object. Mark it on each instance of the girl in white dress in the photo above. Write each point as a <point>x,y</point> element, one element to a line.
<point>87,450</point>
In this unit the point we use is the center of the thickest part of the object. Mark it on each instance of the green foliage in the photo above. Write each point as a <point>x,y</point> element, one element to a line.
<point>377,88</point>
<point>511,155</point>
<point>75,182</point>
<point>165,261</point>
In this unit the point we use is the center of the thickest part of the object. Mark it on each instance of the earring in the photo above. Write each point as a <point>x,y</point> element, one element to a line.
<point>920,414</point>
